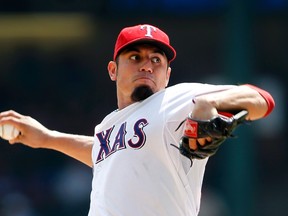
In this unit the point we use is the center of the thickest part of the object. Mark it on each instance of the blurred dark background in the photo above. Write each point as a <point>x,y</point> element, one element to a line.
<point>53,58</point>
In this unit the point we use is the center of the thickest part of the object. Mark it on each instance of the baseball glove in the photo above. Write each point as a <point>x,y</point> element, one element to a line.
<point>218,129</point>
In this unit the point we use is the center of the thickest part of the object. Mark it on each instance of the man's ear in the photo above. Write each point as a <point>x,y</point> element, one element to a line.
<point>112,70</point>
<point>168,75</point>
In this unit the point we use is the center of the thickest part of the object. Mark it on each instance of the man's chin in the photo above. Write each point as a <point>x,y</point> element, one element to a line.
<point>141,93</point>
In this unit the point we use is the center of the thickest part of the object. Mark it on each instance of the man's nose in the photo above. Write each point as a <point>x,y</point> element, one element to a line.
<point>146,66</point>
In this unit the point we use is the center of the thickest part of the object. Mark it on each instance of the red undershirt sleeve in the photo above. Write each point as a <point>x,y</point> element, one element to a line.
<point>269,99</point>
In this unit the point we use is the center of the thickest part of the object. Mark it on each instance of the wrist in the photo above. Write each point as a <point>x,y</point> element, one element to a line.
<point>203,108</point>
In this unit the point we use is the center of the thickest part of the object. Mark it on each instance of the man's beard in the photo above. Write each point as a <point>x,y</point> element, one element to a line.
<point>141,93</point>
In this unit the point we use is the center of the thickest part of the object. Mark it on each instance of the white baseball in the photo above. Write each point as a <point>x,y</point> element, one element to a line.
<point>8,132</point>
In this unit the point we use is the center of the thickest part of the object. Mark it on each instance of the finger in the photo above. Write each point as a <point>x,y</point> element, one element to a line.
<point>15,140</point>
<point>209,139</point>
<point>202,141</point>
<point>10,113</point>
<point>9,120</point>
<point>192,144</point>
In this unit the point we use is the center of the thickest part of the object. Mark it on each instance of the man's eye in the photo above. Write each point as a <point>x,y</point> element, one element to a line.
<point>134,57</point>
<point>156,60</point>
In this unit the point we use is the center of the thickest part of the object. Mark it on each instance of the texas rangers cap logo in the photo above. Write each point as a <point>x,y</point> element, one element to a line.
<point>148,29</point>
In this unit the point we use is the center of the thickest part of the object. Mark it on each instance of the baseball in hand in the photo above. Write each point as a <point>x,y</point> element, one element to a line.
<point>8,132</point>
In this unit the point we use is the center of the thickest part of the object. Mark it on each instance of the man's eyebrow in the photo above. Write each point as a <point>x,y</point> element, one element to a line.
<point>130,49</point>
<point>160,51</point>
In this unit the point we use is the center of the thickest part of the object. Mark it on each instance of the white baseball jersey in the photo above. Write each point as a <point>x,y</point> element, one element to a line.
<point>136,169</point>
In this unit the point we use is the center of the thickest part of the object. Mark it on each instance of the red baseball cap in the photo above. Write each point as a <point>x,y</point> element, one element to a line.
<point>145,33</point>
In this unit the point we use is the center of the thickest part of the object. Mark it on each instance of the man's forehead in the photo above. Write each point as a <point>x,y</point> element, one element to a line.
<point>139,47</point>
